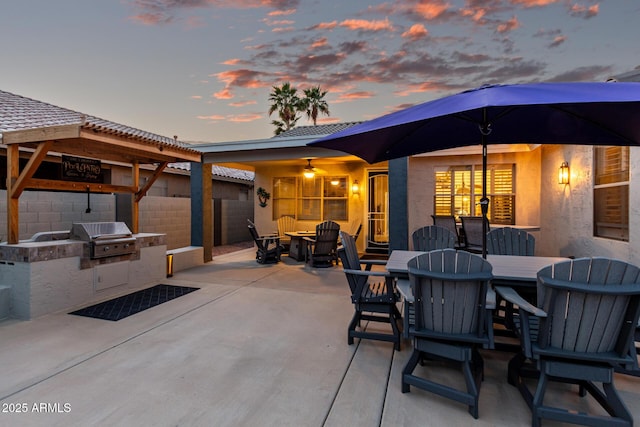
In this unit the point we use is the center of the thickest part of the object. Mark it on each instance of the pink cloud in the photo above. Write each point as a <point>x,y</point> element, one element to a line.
<point>244,118</point>
<point>416,32</point>
<point>354,96</point>
<point>283,30</point>
<point>557,41</point>
<point>211,118</point>
<point>243,103</point>
<point>432,9</point>
<point>584,12</point>
<point>508,26</point>
<point>364,25</point>
<point>534,3</point>
<point>157,12</point>
<point>282,12</point>
<point>223,94</point>
<point>325,25</point>
<point>319,43</point>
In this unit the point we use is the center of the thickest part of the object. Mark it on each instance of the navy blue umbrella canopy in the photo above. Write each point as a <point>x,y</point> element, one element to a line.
<point>606,113</point>
<point>538,113</point>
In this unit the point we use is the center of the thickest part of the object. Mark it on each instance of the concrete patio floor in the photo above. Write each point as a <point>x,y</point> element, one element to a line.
<point>255,346</point>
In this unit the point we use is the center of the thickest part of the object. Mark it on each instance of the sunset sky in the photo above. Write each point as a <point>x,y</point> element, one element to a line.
<point>203,69</point>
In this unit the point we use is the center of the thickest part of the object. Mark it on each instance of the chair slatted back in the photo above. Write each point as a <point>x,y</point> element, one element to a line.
<point>255,235</point>
<point>326,240</point>
<point>592,305</point>
<point>450,289</point>
<point>357,231</point>
<point>472,226</point>
<point>348,253</point>
<point>446,221</point>
<point>286,224</point>
<point>510,241</point>
<point>432,237</point>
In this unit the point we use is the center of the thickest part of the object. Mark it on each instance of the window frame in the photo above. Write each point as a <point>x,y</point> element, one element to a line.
<point>605,185</point>
<point>313,195</point>
<point>446,202</point>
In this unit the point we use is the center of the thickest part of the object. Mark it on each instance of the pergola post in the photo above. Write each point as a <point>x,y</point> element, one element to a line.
<point>202,208</point>
<point>13,205</point>
<point>135,205</point>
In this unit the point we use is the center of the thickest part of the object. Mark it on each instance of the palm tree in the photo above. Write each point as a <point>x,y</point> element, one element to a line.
<point>285,101</point>
<point>314,103</point>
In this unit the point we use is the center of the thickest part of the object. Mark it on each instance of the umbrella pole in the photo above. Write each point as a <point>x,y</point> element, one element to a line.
<point>485,129</point>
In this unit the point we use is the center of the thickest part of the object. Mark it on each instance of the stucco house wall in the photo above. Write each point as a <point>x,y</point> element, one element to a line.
<point>421,184</point>
<point>567,211</point>
<point>354,170</point>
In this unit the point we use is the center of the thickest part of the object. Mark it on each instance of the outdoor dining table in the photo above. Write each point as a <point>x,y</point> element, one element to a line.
<point>508,270</point>
<point>298,248</point>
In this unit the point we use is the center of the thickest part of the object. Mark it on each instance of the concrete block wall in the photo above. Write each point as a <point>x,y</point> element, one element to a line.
<point>168,215</point>
<point>234,214</point>
<point>54,211</point>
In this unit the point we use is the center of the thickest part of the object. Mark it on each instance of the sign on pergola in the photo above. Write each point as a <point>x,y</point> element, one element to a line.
<point>89,138</point>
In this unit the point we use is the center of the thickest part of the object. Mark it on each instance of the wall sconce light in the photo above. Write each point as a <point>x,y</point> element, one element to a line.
<point>355,187</point>
<point>563,173</point>
<point>309,171</point>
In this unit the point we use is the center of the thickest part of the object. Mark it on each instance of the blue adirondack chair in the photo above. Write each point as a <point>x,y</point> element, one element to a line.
<point>579,332</point>
<point>432,237</point>
<point>373,300</point>
<point>449,289</point>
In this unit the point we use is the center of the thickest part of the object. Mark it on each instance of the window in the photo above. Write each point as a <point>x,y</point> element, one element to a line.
<point>459,190</point>
<point>611,193</point>
<point>318,198</point>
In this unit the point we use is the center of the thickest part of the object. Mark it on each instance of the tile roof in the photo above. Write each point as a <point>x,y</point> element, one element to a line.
<point>22,113</point>
<point>221,171</point>
<point>316,130</point>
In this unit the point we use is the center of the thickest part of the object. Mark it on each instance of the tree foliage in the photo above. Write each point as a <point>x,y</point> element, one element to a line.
<point>285,101</point>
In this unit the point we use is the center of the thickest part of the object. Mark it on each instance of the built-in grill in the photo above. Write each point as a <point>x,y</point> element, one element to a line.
<point>105,239</point>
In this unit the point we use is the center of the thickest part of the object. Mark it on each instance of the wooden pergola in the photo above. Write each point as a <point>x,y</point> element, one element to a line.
<point>92,138</point>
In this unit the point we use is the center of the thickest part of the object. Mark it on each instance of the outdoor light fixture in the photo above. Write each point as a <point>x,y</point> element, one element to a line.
<point>355,187</point>
<point>563,173</point>
<point>309,171</point>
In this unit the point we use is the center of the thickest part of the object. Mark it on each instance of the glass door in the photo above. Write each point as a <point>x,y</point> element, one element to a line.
<point>378,211</point>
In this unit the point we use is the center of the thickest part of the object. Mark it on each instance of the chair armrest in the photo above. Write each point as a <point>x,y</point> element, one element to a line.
<point>490,302</point>
<point>404,287</point>
<point>269,238</point>
<point>373,261</point>
<point>513,297</point>
<point>309,239</point>
<point>367,273</point>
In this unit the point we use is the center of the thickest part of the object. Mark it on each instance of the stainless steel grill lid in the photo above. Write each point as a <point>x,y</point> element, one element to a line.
<point>105,238</point>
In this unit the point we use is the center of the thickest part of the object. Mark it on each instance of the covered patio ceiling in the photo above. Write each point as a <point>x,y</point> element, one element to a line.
<point>35,129</point>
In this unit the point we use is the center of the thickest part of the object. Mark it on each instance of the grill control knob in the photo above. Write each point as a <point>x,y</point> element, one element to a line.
<point>106,248</point>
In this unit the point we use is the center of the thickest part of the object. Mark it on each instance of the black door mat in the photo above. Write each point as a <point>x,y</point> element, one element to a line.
<point>124,306</point>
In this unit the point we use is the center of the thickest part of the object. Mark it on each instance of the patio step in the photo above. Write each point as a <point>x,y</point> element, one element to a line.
<point>5,298</point>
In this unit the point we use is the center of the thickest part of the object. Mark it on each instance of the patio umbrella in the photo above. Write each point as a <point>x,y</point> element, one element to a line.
<point>558,113</point>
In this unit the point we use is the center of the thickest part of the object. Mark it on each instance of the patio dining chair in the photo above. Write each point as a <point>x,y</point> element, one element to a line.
<point>432,237</point>
<point>450,290</point>
<point>510,241</point>
<point>448,222</point>
<point>286,224</point>
<point>269,249</point>
<point>472,233</point>
<point>322,249</point>
<point>372,294</point>
<point>579,332</point>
